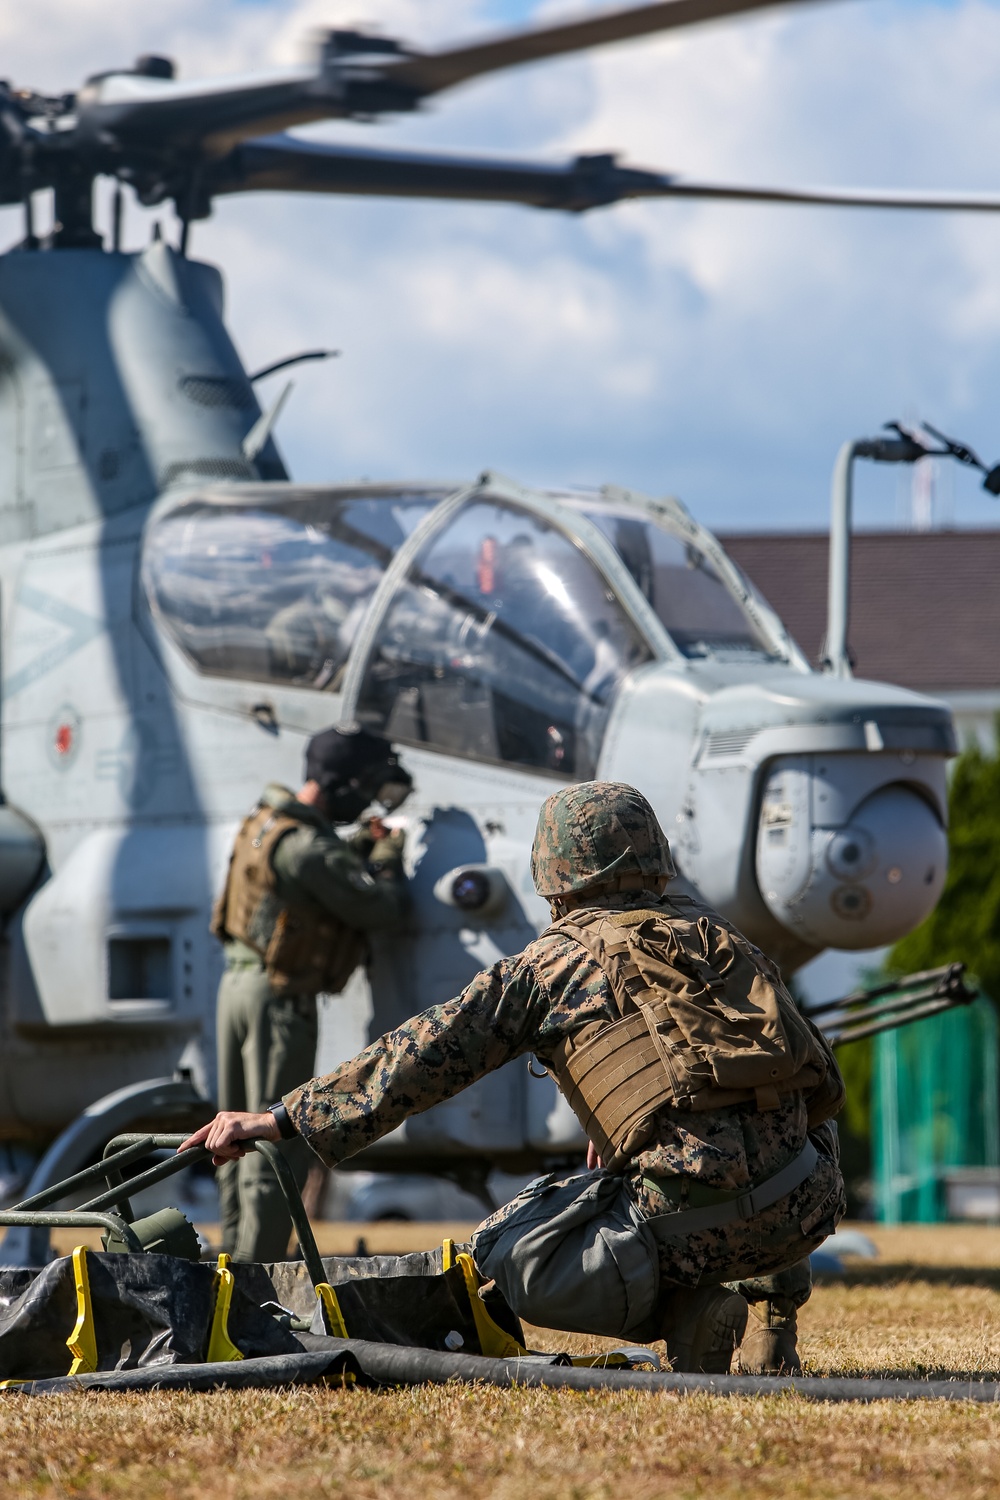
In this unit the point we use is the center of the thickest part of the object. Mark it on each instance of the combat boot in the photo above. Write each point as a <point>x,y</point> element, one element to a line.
<point>769,1345</point>
<point>703,1328</point>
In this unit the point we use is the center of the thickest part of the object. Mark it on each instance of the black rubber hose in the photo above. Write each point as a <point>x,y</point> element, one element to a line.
<point>238,1374</point>
<point>393,1365</point>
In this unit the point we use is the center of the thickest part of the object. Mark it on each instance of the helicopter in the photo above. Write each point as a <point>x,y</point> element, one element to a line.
<point>179,616</point>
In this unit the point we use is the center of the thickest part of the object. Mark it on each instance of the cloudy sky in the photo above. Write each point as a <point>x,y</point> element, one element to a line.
<point>720,353</point>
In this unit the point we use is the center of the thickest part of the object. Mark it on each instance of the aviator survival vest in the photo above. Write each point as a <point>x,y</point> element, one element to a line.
<point>305,949</point>
<point>705,1022</point>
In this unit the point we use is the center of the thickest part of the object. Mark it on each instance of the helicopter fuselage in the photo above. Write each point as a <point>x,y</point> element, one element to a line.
<point>178,618</point>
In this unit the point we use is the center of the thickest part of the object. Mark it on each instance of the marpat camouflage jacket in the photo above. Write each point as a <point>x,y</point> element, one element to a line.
<point>507,1012</point>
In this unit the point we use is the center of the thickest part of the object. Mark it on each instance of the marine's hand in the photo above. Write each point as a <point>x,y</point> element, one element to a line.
<point>388,847</point>
<point>228,1134</point>
<point>361,841</point>
<point>593,1160</point>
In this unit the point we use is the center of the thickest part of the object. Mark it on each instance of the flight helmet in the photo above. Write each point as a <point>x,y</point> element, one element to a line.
<point>355,768</point>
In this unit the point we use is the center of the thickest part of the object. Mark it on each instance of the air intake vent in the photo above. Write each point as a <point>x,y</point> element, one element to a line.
<point>218,391</point>
<point>728,742</point>
<point>139,969</point>
<point>205,468</point>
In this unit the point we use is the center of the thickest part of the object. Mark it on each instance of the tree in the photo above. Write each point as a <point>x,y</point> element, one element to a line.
<point>963,928</point>
<point>965,925</point>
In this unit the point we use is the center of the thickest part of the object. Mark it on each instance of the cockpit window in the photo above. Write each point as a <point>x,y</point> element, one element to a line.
<point>693,602</point>
<point>503,644</point>
<point>274,593</point>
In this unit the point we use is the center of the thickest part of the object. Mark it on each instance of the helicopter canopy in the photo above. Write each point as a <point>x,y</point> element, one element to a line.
<point>275,592</point>
<point>498,636</point>
<point>705,619</point>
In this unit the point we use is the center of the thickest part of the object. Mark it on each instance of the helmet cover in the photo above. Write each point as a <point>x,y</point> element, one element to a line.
<point>593,832</point>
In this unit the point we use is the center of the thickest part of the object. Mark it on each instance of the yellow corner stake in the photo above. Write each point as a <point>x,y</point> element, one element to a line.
<point>221,1348</point>
<point>332,1315</point>
<point>493,1341</point>
<point>82,1342</point>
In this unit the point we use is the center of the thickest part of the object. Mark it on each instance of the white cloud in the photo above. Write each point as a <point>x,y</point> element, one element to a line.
<point>718,351</point>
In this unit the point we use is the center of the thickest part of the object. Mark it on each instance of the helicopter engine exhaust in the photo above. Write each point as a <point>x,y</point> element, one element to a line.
<point>844,866</point>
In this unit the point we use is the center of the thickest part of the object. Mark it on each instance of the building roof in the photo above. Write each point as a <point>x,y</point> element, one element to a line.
<point>925,606</point>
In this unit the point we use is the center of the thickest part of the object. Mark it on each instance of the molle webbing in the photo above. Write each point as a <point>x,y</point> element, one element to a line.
<point>614,1081</point>
<point>250,879</point>
<point>705,1024</point>
<point>618,1077</point>
<point>304,948</point>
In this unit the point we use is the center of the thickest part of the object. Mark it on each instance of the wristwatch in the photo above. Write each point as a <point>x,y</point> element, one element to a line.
<point>286,1129</point>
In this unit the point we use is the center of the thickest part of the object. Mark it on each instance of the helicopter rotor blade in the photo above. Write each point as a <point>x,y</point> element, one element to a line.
<point>355,75</point>
<point>429,73</point>
<point>927,202</point>
<point>195,139</point>
<point>283,163</point>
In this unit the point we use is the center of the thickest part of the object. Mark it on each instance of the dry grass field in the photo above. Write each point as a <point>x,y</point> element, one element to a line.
<point>930,1305</point>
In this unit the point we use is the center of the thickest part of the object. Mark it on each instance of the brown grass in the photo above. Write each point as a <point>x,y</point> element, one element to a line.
<point>438,1441</point>
<point>931,1304</point>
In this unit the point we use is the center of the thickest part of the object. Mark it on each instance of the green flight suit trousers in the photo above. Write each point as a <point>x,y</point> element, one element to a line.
<point>266,1046</point>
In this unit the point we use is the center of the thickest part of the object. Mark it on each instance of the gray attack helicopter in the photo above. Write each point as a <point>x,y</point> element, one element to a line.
<point>178,616</point>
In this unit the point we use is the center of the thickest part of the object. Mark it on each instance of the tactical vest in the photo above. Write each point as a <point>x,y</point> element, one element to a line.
<point>705,1022</point>
<point>304,948</point>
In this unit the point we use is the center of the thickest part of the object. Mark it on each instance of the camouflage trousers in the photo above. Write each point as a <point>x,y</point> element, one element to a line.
<point>266,1046</point>
<point>575,1253</point>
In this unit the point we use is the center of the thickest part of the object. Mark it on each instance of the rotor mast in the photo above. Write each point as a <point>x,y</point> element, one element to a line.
<point>74,214</point>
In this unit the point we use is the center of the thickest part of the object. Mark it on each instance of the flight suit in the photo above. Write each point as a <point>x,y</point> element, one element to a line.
<point>266,1021</point>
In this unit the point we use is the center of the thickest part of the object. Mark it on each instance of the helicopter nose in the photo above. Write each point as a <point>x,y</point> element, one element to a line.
<point>859,885</point>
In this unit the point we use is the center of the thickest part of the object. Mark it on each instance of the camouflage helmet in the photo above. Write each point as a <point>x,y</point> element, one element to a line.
<point>593,833</point>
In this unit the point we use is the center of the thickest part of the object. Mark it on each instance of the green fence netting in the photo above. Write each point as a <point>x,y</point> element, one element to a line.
<point>935,1110</point>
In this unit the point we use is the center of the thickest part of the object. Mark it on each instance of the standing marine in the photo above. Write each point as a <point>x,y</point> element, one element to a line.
<point>294,917</point>
<point>705,1093</point>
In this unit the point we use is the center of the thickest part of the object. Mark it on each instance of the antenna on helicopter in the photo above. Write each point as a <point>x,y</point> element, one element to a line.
<point>293,359</point>
<point>256,439</point>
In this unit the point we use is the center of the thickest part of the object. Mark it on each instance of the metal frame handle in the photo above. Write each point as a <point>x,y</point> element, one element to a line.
<point>130,1147</point>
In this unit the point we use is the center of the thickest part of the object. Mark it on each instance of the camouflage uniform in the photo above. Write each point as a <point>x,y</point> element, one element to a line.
<point>266,1041</point>
<point>588,836</point>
